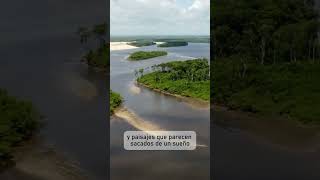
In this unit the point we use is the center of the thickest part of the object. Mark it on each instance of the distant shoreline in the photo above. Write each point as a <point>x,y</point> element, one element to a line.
<point>116,46</point>
<point>162,38</point>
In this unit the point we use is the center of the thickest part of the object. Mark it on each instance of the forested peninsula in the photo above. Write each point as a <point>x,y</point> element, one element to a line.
<point>186,78</point>
<point>267,57</point>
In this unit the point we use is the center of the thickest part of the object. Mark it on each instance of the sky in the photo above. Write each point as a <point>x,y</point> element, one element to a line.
<point>159,17</point>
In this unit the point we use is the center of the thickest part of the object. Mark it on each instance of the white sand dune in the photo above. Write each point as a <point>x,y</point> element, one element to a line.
<point>159,43</point>
<point>115,46</point>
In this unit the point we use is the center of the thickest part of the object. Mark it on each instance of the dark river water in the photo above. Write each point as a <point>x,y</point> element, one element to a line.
<point>40,61</point>
<point>245,146</point>
<point>157,111</point>
<point>250,148</point>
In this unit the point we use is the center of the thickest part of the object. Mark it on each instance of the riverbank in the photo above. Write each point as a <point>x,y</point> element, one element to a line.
<point>116,46</point>
<point>22,154</point>
<point>194,102</point>
<point>115,101</point>
<point>19,122</point>
<point>286,134</point>
<point>288,90</point>
<point>37,161</point>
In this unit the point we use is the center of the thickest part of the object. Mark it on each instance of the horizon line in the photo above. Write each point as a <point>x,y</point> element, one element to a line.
<point>161,35</point>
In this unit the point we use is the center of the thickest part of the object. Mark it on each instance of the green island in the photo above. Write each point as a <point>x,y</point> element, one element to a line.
<point>186,78</point>
<point>115,101</point>
<point>98,57</point>
<point>18,122</point>
<point>173,44</point>
<point>142,43</point>
<point>267,58</point>
<point>143,55</point>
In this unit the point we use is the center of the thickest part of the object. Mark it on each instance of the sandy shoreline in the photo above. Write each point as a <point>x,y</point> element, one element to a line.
<point>193,102</point>
<point>115,46</point>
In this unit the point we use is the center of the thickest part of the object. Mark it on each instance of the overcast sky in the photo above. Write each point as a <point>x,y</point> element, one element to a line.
<point>160,17</point>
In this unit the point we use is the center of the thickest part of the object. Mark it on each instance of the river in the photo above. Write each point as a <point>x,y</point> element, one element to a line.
<point>252,147</point>
<point>149,110</point>
<point>40,61</point>
<point>245,146</point>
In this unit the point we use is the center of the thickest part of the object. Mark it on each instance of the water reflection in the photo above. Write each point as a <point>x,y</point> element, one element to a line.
<point>148,110</point>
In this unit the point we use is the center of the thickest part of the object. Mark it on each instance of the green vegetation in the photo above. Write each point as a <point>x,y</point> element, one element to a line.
<point>267,31</point>
<point>173,44</point>
<point>115,101</point>
<point>98,57</point>
<point>142,55</point>
<point>99,32</point>
<point>18,121</point>
<point>142,43</point>
<point>267,57</point>
<point>290,90</point>
<point>186,78</point>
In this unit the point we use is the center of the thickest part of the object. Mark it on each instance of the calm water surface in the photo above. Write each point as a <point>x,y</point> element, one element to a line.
<point>245,147</point>
<point>162,111</point>
<point>40,61</point>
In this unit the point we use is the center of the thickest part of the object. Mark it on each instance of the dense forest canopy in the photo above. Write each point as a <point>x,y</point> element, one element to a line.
<point>267,57</point>
<point>187,78</point>
<point>192,70</point>
<point>266,31</point>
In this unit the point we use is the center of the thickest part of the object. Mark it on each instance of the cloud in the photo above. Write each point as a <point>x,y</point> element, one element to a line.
<point>160,17</point>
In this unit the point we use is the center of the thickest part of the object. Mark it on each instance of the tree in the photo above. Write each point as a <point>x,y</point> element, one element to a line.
<point>100,31</point>
<point>266,31</point>
<point>141,71</point>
